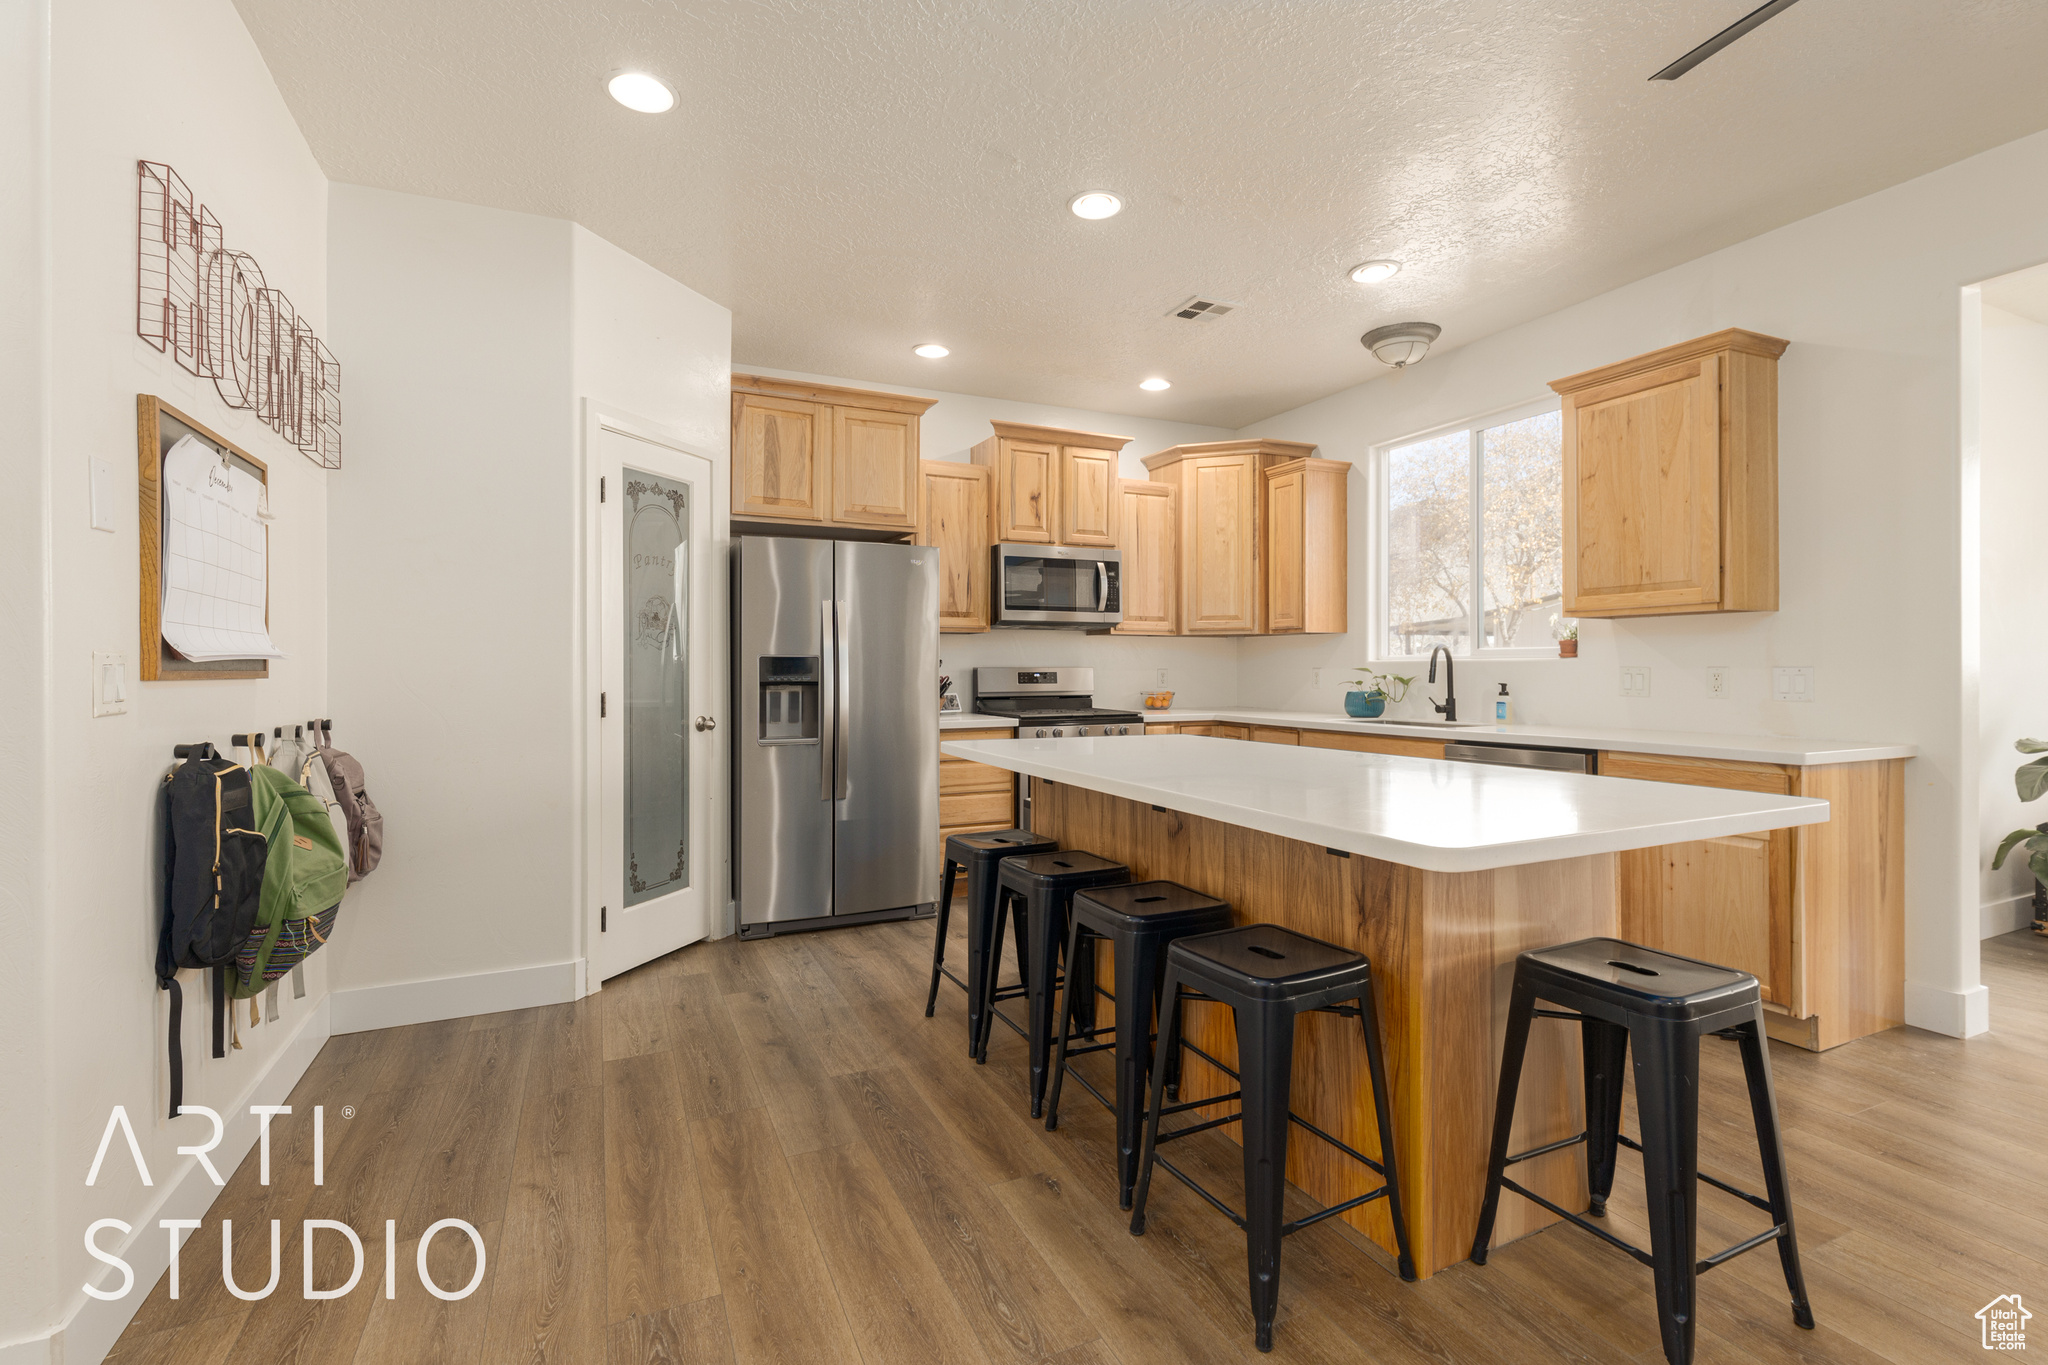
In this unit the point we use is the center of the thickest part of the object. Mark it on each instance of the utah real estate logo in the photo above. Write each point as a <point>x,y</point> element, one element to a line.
<point>2005,1323</point>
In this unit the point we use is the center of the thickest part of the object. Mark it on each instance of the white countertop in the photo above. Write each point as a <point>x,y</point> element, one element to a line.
<point>969,720</point>
<point>1681,743</point>
<point>1420,812</point>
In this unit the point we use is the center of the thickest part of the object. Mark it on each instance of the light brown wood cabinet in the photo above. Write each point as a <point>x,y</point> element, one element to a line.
<point>974,796</point>
<point>1052,486</point>
<point>1671,480</point>
<point>1372,744</point>
<point>823,454</point>
<point>1226,536</point>
<point>1306,572</point>
<point>953,516</point>
<point>1816,912</point>
<point>1148,536</point>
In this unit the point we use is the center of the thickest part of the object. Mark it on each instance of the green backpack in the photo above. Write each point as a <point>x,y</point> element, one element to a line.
<point>304,876</point>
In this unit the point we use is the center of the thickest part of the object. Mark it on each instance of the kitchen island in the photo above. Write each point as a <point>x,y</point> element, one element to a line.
<point>1440,873</point>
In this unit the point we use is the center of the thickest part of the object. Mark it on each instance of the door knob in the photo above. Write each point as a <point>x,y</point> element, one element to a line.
<point>706,723</point>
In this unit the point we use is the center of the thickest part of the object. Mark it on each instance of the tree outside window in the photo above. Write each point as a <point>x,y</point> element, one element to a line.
<point>1474,517</point>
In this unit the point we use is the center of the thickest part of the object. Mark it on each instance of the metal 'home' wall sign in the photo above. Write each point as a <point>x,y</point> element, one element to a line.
<point>210,309</point>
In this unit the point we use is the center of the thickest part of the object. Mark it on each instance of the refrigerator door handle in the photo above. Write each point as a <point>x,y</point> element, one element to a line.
<point>842,688</point>
<point>1101,586</point>
<point>828,675</point>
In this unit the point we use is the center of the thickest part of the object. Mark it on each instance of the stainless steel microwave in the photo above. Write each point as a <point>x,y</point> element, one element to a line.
<point>1057,587</point>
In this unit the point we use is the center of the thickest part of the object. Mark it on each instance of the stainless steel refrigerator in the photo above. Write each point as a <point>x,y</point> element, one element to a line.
<point>836,763</point>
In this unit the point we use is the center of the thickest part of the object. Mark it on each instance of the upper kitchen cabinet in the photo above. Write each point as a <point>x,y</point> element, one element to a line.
<point>1224,530</point>
<point>1305,571</point>
<point>1148,537</point>
<point>1671,480</point>
<point>955,518</point>
<point>824,454</point>
<point>1052,486</point>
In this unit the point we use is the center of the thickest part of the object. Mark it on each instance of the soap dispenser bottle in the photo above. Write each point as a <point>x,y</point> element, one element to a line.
<point>1503,707</point>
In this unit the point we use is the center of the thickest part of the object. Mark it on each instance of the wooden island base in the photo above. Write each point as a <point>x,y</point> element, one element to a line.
<point>1442,946</point>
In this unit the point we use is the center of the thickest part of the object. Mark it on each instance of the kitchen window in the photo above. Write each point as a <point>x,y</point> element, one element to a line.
<point>1471,522</point>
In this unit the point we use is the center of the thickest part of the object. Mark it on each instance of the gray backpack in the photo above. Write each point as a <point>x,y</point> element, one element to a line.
<point>365,844</point>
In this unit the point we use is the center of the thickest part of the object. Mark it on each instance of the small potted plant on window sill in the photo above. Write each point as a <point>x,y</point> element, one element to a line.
<point>1370,693</point>
<point>2030,780</point>
<point>1567,633</point>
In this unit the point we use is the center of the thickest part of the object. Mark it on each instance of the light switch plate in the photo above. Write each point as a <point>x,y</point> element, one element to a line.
<point>109,684</point>
<point>103,495</point>
<point>1792,684</point>
<point>1635,680</point>
<point>1720,682</point>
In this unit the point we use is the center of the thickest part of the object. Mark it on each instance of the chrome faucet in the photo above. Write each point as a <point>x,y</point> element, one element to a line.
<point>1448,707</point>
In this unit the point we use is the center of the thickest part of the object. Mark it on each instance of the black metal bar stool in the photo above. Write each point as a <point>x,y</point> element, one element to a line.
<point>1620,994</point>
<point>1268,976</point>
<point>1140,921</point>
<point>1045,883</point>
<point>981,854</point>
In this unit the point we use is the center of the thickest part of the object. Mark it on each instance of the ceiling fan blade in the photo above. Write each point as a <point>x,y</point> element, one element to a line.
<point>1723,38</point>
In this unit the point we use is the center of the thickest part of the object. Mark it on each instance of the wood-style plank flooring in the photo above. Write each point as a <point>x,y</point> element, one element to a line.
<point>763,1152</point>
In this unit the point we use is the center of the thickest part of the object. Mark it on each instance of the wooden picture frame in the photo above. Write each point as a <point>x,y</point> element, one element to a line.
<point>158,427</point>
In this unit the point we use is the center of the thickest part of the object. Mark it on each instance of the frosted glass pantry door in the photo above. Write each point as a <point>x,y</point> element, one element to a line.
<point>657,727</point>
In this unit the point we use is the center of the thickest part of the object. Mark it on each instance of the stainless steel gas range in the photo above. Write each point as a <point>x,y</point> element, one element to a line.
<point>1050,703</point>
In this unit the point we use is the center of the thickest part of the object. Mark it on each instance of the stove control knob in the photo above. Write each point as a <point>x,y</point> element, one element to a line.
<point>1039,733</point>
<point>1057,732</point>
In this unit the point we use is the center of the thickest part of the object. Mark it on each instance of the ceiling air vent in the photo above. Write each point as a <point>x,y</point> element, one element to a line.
<point>1198,308</point>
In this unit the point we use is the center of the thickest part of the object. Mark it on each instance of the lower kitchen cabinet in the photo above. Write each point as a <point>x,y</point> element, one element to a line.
<point>1270,734</point>
<point>974,796</point>
<point>1373,744</point>
<point>1816,913</point>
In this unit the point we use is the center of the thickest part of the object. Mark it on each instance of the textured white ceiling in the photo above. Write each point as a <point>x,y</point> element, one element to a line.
<point>853,177</point>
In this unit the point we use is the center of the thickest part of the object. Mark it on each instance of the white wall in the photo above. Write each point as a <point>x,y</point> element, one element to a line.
<point>1875,564</point>
<point>459,553</point>
<point>453,591</point>
<point>1201,672</point>
<point>2013,440</point>
<point>177,81</point>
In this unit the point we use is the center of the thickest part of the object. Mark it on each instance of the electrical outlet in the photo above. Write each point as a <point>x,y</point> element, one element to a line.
<point>1315,677</point>
<point>1792,684</point>
<point>1635,680</point>
<point>1160,681</point>
<point>1719,684</point>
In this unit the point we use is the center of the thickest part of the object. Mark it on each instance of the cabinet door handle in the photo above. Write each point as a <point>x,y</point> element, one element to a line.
<point>706,723</point>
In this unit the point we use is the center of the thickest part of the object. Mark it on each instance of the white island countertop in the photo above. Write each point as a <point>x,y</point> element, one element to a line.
<point>1781,749</point>
<point>1419,812</point>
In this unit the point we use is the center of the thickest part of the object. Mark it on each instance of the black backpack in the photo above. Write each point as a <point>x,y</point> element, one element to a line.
<point>213,883</point>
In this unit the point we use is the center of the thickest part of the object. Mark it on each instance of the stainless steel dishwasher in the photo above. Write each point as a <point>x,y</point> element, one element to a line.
<point>1523,756</point>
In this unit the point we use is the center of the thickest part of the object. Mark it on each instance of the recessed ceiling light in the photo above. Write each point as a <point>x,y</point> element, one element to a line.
<point>1155,385</point>
<point>931,350</point>
<point>641,92</point>
<point>1096,204</point>
<point>1372,272</point>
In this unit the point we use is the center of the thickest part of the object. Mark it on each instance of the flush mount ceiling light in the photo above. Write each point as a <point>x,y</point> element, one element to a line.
<point>1155,385</point>
<point>1401,344</point>
<point>641,92</point>
<point>1096,204</point>
<point>931,350</point>
<point>1372,272</point>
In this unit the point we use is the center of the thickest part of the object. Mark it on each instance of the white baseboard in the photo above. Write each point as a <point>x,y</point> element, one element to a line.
<point>2002,917</point>
<point>1959,1014</point>
<point>455,997</point>
<point>92,1326</point>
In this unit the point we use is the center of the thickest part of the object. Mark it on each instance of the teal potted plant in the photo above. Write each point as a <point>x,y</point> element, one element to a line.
<point>2030,781</point>
<point>1370,693</point>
